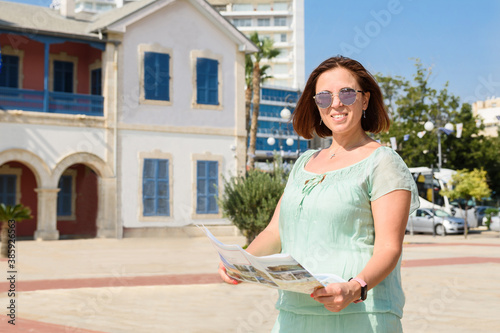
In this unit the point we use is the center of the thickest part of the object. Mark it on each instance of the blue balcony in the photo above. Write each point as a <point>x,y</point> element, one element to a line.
<point>58,102</point>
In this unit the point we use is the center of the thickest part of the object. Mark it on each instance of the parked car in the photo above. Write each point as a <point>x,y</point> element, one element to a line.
<point>427,220</point>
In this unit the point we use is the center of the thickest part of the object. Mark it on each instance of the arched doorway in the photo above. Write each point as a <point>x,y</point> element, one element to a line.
<point>17,186</point>
<point>77,202</point>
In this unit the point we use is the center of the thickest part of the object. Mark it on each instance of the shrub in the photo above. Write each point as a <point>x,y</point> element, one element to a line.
<point>249,202</point>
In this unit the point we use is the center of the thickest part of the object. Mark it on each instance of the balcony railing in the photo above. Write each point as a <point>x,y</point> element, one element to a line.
<point>33,100</point>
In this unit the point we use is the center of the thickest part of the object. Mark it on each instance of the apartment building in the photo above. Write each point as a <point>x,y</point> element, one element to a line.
<point>489,113</point>
<point>283,22</point>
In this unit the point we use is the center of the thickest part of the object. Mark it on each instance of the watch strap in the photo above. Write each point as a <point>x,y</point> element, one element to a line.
<point>364,289</point>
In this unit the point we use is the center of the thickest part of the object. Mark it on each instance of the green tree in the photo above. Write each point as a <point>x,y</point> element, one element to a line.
<point>467,185</point>
<point>249,202</point>
<point>266,51</point>
<point>412,103</point>
<point>8,213</point>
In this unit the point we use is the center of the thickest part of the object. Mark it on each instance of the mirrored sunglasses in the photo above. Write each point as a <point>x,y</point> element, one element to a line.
<point>347,96</point>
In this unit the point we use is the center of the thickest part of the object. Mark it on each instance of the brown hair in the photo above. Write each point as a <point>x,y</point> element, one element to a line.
<point>306,118</point>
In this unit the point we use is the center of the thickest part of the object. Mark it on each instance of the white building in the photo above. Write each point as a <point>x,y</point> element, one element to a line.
<point>489,112</point>
<point>123,124</point>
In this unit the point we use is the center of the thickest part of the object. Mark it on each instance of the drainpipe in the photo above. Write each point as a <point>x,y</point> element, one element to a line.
<point>115,135</point>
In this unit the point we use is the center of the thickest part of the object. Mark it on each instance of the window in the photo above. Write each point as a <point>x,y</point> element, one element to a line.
<point>245,22</point>
<point>283,53</point>
<point>9,75</point>
<point>63,76</point>
<point>263,22</point>
<point>283,38</point>
<point>207,179</point>
<point>280,6</point>
<point>64,196</point>
<point>281,69</point>
<point>96,81</point>
<point>207,85</point>
<point>280,21</point>
<point>242,7</point>
<point>8,189</point>
<point>155,187</point>
<point>156,76</point>
<point>264,7</point>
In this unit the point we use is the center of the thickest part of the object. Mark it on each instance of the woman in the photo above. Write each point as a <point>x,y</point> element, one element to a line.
<point>344,209</point>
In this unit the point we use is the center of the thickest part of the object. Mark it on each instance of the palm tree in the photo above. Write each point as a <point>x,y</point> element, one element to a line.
<point>266,51</point>
<point>8,213</point>
<point>249,91</point>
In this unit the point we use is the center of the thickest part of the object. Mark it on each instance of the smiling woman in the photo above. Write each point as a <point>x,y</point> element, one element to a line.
<point>344,209</point>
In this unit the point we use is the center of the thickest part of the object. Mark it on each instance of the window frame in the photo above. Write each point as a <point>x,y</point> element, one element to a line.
<point>6,170</point>
<point>8,50</point>
<point>92,67</point>
<point>15,71</point>
<point>207,157</point>
<point>156,155</point>
<point>220,86</point>
<point>72,217</point>
<point>155,48</point>
<point>263,20</point>
<point>156,179</point>
<point>63,56</point>
<point>279,19</point>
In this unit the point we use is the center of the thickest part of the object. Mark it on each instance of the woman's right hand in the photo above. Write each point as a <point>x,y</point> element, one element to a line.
<point>225,277</point>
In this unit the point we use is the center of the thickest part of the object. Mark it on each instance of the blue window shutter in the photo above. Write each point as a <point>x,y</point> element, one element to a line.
<point>8,189</point>
<point>207,179</point>
<point>156,76</point>
<point>64,198</point>
<point>9,75</point>
<point>207,81</point>
<point>63,76</point>
<point>155,188</point>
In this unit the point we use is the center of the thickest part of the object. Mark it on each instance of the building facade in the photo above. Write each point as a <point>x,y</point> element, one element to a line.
<point>489,112</point>
<point>122,125</point>
<point>282,21</point>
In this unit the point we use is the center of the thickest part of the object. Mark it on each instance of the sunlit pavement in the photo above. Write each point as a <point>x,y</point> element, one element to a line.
<point>170,285</point>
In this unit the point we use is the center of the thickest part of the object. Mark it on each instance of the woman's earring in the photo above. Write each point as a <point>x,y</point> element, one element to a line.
<point>320,121</point>
<point>364,113</point>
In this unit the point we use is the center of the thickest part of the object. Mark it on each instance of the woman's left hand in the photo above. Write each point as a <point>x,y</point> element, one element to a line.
<point>337,296</point>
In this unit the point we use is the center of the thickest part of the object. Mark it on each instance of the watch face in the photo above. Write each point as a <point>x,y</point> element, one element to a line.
<point>364,292</point>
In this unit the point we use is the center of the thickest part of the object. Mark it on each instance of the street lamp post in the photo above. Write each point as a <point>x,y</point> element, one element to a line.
<point>447,129</point>
<point>286,114</point>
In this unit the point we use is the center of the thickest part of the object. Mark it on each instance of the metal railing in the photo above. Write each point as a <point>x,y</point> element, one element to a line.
<point>58,102</point>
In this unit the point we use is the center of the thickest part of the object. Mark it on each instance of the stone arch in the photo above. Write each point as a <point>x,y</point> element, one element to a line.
<point>38,166</point>
<point>106,220</point>
<point>92,161</point>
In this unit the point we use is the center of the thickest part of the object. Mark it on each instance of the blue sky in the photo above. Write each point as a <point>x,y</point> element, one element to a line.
<point>458,39</point>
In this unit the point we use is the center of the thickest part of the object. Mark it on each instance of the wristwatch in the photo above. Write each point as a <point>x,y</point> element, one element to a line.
<point>364,289</point>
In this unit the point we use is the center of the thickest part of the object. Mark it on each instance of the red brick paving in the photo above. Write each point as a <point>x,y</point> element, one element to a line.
<point>120,281</point>
<point>448,261</point>
<point>448,244</point>
<point>33,326</point>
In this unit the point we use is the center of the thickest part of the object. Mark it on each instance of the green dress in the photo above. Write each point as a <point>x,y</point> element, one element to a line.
<point>326,223</point>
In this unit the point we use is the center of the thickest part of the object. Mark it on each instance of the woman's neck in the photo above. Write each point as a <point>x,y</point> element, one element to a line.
<point>347,141</point>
